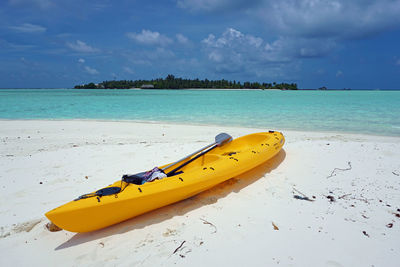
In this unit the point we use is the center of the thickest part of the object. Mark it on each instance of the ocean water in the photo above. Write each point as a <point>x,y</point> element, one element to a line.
<point>371,112</point>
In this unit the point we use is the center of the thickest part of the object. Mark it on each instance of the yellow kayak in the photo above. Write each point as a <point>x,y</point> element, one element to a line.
<point>94,212</point>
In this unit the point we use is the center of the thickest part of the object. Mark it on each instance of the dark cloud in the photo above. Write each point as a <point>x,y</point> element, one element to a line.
<point>217,5</point>
<point>331,19</point>
<point>291,31</point>
<point>341,19</point>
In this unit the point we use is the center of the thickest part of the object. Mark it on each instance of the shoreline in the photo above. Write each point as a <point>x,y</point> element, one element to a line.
<point>201,125</point>
<point>353,181</point>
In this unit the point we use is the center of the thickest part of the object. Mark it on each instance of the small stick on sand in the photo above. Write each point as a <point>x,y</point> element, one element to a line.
<point>343,196</point>
<point>178,247</point>
<point>207,222</point>
<point>303,197</point>
<point>333,173</point>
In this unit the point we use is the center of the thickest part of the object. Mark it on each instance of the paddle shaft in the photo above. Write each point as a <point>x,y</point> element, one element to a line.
<point>188,156</point>
<point>220,140</point>
<point>192,159</point>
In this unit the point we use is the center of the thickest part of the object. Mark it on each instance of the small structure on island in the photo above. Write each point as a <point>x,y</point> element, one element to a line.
<point>147,86</point>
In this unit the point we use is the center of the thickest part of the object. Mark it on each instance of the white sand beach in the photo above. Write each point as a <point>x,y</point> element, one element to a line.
<point>261,218</point>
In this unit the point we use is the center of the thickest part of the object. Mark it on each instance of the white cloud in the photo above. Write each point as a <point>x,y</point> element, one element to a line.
<point>286,49</point>
<point>233,51</point>
<point>182,39</point>
<point>82,47</point>
<point>398,62</point>
<point>339,73</point>
<point>232,45</point>
<point>210,40</point>
<point>237,51</point>
<point>81,60</point>
<point>28,28</point>
<point>149,38</point>
<point>91,70</point>
<point>215,56</point>
<point>128,70</point>
<point>254,41</point>
<point>232,38</point>
<point>235,43</point>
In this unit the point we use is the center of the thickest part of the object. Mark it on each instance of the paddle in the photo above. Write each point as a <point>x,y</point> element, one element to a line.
<point>220,140</point>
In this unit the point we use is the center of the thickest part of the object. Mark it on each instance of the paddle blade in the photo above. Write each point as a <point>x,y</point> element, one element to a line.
<point>222,139</point>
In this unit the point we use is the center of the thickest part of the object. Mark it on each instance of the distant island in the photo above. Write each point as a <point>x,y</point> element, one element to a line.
<point>171,82</point>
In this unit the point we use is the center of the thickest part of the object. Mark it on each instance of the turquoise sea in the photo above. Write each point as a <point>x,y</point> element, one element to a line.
<point>371,112</point>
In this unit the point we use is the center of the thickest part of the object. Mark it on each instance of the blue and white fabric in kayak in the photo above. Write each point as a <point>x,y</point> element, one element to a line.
<point>154,174</point>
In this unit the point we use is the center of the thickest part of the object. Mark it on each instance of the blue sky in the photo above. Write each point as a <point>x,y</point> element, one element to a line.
<point>336,43</point>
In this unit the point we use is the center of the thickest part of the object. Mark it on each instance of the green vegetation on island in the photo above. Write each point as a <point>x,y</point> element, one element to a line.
<point>170,82</point>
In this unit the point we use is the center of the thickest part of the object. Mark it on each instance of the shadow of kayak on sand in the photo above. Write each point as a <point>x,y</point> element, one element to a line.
<point>182,207</point>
